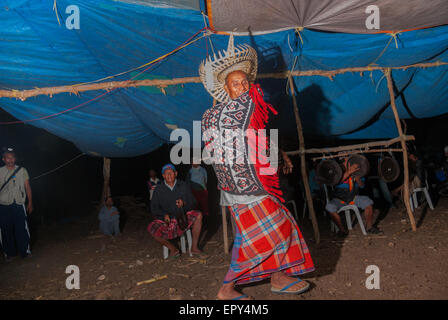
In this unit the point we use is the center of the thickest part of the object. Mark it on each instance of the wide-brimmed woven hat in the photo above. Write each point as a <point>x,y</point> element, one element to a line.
<point>214,70</point>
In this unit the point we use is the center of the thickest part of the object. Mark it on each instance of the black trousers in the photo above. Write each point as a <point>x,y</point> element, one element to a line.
<point>15,235</point>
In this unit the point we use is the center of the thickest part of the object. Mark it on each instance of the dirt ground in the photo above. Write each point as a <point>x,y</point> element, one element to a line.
<point>413,265</point>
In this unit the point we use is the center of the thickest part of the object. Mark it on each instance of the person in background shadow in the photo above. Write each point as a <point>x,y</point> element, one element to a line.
<point>109,218</point>
<point>153,181</point>
<point>197,177</point>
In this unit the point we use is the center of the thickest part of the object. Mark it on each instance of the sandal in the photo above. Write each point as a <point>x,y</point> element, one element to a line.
<point>201,255</point>
<point>375,230</point>
<point>243,296</point>
<point>175,256</point>
<point>284,289</point>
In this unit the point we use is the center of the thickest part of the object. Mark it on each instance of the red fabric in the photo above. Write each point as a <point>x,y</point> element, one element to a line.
<point>268,240</point>
<point>258,122</point>
<point>170,231</point>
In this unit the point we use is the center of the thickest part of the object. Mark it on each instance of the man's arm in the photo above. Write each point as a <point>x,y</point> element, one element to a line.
<point>350,170</point>
<point>29,196</point>
<point>288,166</point>
<point>156,209</point>
<point>115,212</point>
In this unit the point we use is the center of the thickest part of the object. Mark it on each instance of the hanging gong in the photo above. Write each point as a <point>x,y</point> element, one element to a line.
<point>388,169</point>
<point>328,172</point>
<point>362,162</point>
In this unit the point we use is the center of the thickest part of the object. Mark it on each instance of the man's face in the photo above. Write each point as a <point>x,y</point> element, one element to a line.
<point>236,84</point>
<point>152,173</point>
<point>169,176</point>
<point>9,159</point>
<point>109,202</point>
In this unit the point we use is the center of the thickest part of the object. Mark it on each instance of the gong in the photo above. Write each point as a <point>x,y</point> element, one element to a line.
<point>328,172</point>
<point>362,162</point>
<point>388,169</point>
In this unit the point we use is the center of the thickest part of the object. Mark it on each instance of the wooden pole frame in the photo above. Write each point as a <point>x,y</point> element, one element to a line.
<point>388,74</point>
<point>106,183</point>
<point>306,185</point>
<point>163,83</point>
<point>343,154</point>
<point>365,146</point>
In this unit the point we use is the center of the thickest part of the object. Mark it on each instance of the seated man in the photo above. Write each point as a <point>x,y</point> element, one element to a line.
<point>109,218</point>
<point>170,198</point>
<point>346,193</point>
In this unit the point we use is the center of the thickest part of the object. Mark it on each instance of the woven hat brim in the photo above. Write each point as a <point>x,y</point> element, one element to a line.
<point>213,73</point>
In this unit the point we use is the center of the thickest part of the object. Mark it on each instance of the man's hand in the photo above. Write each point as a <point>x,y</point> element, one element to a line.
<point>167,219</point>
<point>287,168</point>
<point>352,168</point>
<point>29,208</point>
<point>179,203</point>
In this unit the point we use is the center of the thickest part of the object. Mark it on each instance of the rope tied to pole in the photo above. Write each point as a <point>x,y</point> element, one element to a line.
<point>298,30</point>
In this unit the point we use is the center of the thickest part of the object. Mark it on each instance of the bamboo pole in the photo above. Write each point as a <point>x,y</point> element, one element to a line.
<point>106,182</point>
<point>387,73</point>
<point>366,146</point>
<point>302,162</point>
<point>163,83</point>
<point>357,152</point>
<point>224,229</point>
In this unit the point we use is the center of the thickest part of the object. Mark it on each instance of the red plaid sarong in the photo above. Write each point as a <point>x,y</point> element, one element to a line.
<point>267,240</point>
<point>170,231</point>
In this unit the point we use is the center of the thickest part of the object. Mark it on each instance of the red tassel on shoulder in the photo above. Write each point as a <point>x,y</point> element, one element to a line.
<point>258,121</point>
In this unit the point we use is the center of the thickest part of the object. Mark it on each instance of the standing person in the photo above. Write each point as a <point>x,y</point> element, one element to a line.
<point>197,177</point>
<point>169,198</point>
<point>153,181</point>
<point>109,218</point>
<point>268,242</point>
<point>15,190</point>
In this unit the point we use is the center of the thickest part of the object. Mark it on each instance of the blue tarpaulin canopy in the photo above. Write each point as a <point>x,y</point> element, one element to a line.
<point>38,50</point>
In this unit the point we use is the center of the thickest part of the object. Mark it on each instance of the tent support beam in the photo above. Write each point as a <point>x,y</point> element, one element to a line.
<point>306,185</point>
<point>347,153</point>
<point>366,146</point>
<point>108,86</point>
<point>387,73</point>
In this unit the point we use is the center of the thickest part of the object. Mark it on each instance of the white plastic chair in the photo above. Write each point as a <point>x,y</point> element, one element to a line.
<point>413,200</point>
<point>182,244</point>
<point>348,216</point>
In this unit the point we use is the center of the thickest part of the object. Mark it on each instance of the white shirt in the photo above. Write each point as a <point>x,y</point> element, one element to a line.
<point>228,199</point>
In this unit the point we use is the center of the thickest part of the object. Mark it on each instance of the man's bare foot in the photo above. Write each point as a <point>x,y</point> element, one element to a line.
<point>196,251</point>
<point>228,292</point>
<point>279,280</point>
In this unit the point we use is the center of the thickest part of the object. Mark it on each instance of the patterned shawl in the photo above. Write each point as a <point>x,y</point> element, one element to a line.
<point>224,128</point>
